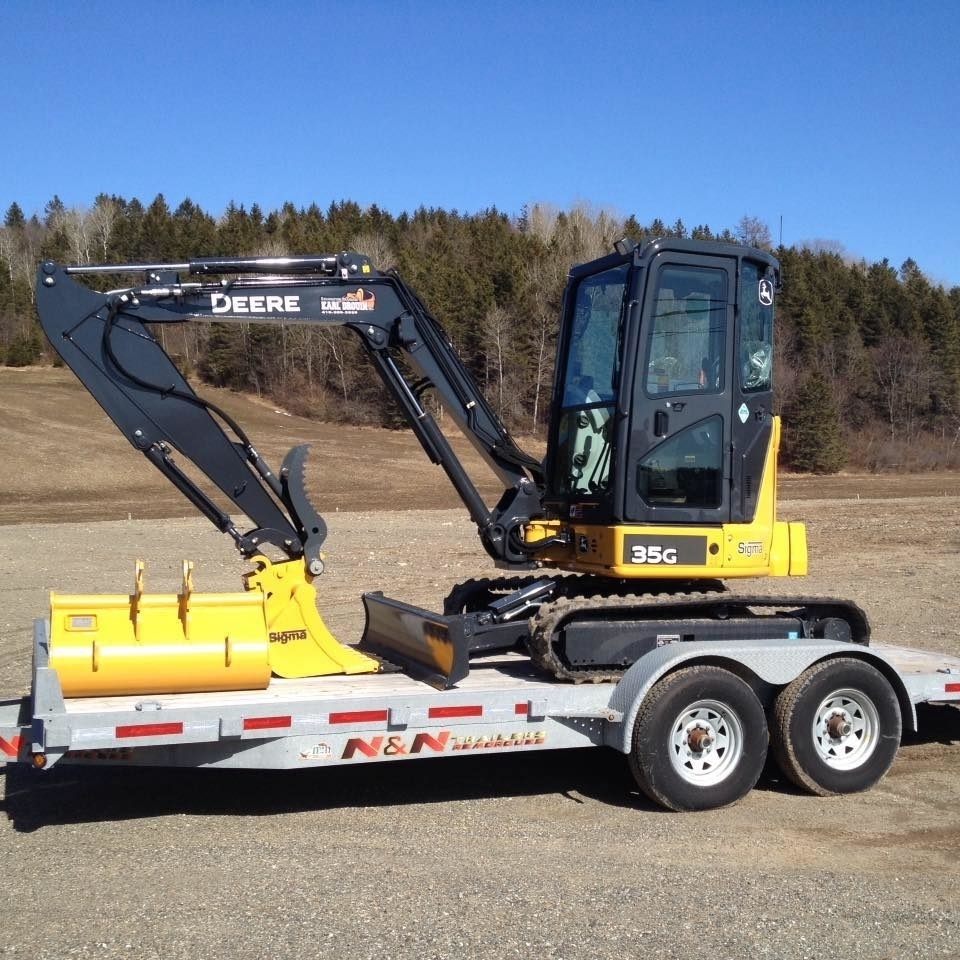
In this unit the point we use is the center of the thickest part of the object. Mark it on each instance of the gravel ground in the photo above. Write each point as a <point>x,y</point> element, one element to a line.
<point>545,855</point>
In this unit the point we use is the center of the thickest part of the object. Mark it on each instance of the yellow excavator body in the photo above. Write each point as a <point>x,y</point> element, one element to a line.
<point>764,547</point>
<point>109,644</point>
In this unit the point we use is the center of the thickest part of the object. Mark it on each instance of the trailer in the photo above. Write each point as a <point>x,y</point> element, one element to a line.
<point>695,720</point>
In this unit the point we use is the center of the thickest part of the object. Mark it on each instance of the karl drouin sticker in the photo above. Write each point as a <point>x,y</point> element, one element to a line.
<point>356,301</point>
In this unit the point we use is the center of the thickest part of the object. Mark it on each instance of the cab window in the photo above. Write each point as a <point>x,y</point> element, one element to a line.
<point>685,470</point>
<point>755,351</point>
<point>687,334</point>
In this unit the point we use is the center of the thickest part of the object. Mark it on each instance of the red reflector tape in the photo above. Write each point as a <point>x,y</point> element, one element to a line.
<point>521,709</point>
<point>149,730</point>
<point>360,716</point>
<point>266,723</point>
<point>10,747</point>
<point>446,713</point>
<point>951,687</point>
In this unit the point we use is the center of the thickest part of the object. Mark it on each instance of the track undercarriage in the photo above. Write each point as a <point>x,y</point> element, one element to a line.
<point>584,629</point>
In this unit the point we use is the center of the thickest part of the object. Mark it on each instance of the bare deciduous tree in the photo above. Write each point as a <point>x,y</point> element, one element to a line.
<point>377,247</point>
<point>497,327</point>
<point>754,233</point>
<point>905,374</point>
<point>103,217</point>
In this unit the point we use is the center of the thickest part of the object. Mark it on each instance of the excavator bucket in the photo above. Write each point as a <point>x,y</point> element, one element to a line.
<point>300,643</point>
<point>106,645</point>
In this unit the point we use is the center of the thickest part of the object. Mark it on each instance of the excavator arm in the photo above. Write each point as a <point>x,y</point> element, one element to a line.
<point>103,645</point>
<point>105,338</point>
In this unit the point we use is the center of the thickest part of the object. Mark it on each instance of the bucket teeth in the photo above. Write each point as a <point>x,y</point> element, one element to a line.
<point>140,643</point>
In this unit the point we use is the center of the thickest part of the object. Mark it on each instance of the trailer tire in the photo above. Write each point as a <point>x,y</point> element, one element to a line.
<point>836,728</point>
<point>700,739</point>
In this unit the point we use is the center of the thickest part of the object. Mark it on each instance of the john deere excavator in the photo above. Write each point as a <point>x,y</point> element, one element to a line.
<point>659,480</point>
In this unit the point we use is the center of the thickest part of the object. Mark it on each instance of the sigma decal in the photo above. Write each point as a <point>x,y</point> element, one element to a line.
<point>355,302</point>
<point>286,636</point>
<point>750,548</point>
<point>222,303</point>
<point>664,551</point>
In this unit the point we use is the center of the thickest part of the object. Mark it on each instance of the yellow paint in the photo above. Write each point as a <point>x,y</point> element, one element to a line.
<point>766,547</point>
<point>301,645</point>
<point>104,644</point>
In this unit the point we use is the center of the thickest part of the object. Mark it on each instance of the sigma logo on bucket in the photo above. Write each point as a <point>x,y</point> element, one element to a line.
<point>750,548</point>
<point>664,551</point>
<point>221,303</point>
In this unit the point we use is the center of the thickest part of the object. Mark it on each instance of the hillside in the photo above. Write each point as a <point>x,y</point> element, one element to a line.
<point>62,460</point>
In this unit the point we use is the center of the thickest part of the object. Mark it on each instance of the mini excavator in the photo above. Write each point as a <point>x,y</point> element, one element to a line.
<point>659,481</point>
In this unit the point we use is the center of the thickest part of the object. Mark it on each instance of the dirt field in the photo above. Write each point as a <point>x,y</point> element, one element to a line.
<point>552,856</point>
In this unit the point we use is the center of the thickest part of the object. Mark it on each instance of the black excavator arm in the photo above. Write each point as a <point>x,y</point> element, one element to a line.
<point>105,339</point>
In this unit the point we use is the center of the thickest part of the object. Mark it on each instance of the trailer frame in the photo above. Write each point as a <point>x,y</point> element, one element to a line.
<point>505,705</point>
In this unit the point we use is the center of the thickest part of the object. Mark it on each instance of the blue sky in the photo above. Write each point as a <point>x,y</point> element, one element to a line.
<point>841,119</point>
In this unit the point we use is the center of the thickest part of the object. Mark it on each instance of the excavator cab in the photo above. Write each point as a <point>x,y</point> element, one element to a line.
<point>662,445</point>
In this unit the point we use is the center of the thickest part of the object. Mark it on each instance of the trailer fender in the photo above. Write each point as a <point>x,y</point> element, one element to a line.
<point>774,662</point>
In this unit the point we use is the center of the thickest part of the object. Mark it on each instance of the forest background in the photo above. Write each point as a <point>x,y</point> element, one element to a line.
<point>867,364</point>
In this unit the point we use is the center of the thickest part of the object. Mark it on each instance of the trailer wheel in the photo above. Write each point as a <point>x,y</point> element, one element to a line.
<point>700,740</point>
<point>837,727</point>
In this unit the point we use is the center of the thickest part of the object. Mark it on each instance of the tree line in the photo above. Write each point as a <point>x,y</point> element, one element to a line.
<point>868,355</point>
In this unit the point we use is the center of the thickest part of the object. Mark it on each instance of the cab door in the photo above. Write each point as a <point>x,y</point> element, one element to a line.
<point>678,457</point>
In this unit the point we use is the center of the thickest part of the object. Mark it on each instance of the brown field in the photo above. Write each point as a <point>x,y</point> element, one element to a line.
<point>552,855</point>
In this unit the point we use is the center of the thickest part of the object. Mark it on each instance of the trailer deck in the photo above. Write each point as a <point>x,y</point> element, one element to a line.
<point>505,704</point>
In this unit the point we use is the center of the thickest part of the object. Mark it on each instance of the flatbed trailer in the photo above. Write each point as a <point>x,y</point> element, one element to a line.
<point>694,719</point>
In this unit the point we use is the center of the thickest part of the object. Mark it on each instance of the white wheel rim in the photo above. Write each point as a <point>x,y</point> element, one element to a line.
<point>706,742</point>
<point>845,729</point>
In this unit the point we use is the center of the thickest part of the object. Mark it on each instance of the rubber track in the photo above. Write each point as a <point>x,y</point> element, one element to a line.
<point>546,623</point>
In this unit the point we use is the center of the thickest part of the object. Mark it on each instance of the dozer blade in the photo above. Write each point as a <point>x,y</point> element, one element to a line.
<point>300,643</point>
<point>428,646</point>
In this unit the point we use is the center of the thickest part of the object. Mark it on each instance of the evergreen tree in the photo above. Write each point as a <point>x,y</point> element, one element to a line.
<point>884,344</point>
<point>25,349</point>
<point>14,219</point>
<point>813,438</point>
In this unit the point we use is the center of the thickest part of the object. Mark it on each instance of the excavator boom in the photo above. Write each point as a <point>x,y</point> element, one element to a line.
<point>118,644</point>
<point>105,338</point>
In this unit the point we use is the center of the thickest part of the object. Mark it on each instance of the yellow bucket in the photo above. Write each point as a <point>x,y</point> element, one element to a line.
<point>106,645</point>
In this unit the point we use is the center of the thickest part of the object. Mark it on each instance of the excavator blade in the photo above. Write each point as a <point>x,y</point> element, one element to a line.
<point>429,646</point>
